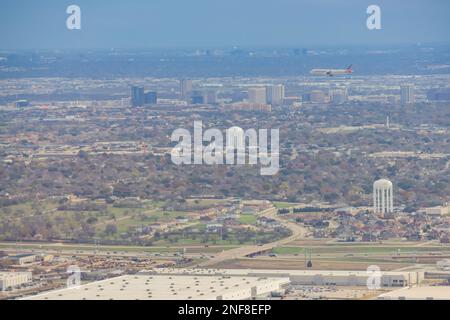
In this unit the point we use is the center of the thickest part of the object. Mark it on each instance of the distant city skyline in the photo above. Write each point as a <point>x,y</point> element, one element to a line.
<point>203,23</point>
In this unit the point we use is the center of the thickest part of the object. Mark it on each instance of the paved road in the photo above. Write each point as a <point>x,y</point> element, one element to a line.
<point>297,232</point>
<point>87,249</point>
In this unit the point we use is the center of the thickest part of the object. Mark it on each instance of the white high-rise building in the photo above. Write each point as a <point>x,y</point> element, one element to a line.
<point>210,96</point>
<point>407,94</point>
<point>383,197</point>
<point>339,96</point>
<point>14,279</point>
<point>257,95</point>
<point>318,96</point>
<point>275,94</point>
<point>185,88</point>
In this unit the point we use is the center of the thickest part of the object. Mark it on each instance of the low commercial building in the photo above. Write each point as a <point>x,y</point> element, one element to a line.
<point>355,278</point>
<point>23,259</point>
<point>45,257</point>
<point>248,106</point>
<point>312,277</point>
<point>14,279</point>
<point>436,211</point>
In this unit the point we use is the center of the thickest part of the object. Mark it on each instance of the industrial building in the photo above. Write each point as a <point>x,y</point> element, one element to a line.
<point>14,279</point>
<point>22,259</point>
<point>170,287</point>
<point>309,277</point>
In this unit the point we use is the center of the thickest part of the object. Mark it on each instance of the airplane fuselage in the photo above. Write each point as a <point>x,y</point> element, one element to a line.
<point>330,72</point>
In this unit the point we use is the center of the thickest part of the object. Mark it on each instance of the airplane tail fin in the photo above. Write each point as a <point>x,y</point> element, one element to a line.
<point>350,68</point>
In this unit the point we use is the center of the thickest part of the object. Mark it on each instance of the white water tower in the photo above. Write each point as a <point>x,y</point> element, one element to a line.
<point>383,197</point>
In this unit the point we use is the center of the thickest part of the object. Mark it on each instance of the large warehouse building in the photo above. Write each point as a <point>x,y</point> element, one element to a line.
<point>170,287</point>
<point>14,279</point>
<point>311,277</point>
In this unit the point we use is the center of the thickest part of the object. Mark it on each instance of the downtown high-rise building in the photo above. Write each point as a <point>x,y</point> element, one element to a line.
<point>185,88</point>
<point>196,97</point>
<point>210,96</point>
<point>257,95</point>
<point>151,97</point>
<point>407,94</point>
<point>339,96</point>
<point>275,94</point>
<point>137,96</point>
<point>318,96</point>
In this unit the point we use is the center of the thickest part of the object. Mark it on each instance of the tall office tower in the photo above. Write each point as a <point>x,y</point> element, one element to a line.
<point>185,88</point>
<point>345,93</point>
<point>318,96</point>
<point>339,96</point>
<point>210,96</point>
<point>275,94</point>
<point>257,95</point>
<point>407,94</point>
<point>151,97</point>
<point>383,197</point>
<point>137,96</point>
<point>197,97</point>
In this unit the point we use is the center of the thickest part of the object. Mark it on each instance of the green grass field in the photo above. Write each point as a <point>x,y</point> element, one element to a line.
<point>288,250</point>
<point>248,219</point>
<point>283,205</point>
<point>369,250</point>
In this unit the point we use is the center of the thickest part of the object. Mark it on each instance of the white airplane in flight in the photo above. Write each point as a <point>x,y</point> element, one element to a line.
<point>331,72</point>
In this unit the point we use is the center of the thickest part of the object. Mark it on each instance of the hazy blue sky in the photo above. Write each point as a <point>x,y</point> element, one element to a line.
<point>29,24</point>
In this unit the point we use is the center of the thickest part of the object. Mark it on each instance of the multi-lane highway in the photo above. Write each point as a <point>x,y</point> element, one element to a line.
<point>243,251</point>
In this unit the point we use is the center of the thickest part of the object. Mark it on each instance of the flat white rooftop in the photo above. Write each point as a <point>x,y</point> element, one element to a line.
<point>6,275</point>
<point>275,273</point>
<point>167,287</point>
<point>418,293</point>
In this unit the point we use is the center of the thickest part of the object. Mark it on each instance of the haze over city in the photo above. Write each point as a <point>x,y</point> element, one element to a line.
<point>176,23</point>
<point>268,151</point>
